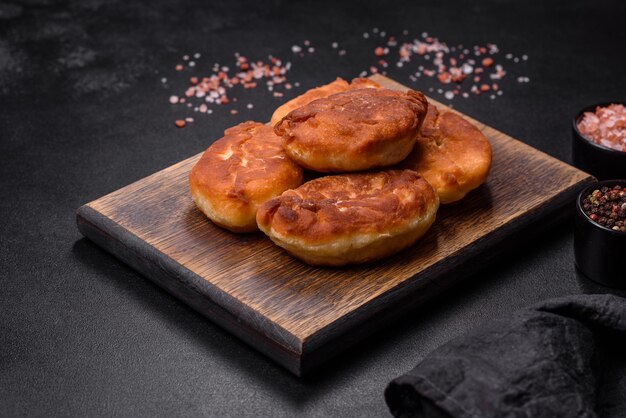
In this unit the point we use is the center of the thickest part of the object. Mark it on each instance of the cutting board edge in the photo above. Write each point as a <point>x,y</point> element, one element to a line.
<point>129,249</point>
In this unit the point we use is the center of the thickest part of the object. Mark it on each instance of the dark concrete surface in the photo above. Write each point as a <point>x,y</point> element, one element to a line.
<point>83,112</point>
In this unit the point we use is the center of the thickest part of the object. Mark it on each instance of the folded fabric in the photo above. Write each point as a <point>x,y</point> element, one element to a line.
<point>564,357</point>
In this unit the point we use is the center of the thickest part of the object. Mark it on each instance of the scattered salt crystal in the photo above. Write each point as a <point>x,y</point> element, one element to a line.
<point>450,65</point>
<point>164,80</point>
<point>189,120</point>
<point>173,99</point>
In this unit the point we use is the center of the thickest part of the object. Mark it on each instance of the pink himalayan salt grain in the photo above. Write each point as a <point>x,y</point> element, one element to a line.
<point>450,64</point>
<point>606,126</point>
<point>213,87</point>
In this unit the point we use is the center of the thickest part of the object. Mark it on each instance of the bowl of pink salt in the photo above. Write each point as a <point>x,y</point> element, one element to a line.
<point>599,140</point>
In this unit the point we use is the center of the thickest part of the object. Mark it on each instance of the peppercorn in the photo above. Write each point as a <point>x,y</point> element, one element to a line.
<point>607,207</point>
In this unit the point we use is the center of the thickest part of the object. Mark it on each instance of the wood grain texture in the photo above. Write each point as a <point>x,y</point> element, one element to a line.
<point>301,315</point>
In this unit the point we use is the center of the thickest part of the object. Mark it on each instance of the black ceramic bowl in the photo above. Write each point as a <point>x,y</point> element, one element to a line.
<point>604,163</point>
<point>600,252</point>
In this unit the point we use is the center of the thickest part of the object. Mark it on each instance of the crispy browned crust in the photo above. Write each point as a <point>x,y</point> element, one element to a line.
<point>350,218</point>
<point>337,86</point>
<point>354,130</point>
<point>239,172</point>
<point>451,154</point>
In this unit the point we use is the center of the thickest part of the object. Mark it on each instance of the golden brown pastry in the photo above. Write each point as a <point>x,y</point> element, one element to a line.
<point>239,172</point>
<point>350,218</point>
<point>354,130</point>
<point>451,154</point>
<point>337,86</point>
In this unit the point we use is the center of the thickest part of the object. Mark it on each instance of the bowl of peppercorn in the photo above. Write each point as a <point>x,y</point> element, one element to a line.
<point>599,140</point>
<point>600,232</point>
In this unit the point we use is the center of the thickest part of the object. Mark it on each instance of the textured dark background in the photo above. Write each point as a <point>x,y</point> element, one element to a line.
<point>83,112</point>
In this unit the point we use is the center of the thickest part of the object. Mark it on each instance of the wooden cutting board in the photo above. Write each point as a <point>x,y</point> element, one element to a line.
<point>299,315</point>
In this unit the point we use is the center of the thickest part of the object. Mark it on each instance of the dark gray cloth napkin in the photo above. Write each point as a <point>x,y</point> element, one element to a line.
<point>564,357</point>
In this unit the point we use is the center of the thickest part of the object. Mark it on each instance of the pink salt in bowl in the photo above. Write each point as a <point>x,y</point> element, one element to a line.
<point>601,161</point>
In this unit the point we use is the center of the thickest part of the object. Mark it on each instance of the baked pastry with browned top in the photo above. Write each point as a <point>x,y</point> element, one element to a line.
<point>350,218</point>
<point>354,130</point>
<point>451,154</point>
<point>239,172</point>
<point>337,86</point>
